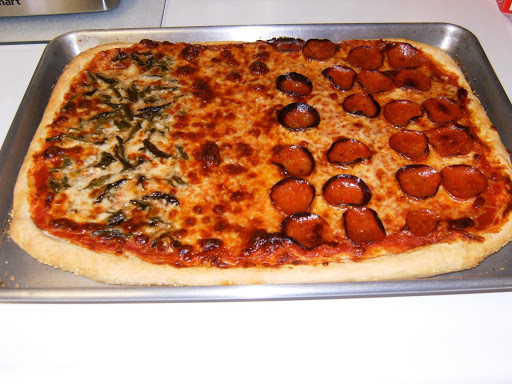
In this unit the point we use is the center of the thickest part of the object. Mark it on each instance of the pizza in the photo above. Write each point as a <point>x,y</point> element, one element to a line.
<point>280,161</point>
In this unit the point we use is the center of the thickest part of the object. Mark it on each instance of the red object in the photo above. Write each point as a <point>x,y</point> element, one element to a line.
<point>505,6</point>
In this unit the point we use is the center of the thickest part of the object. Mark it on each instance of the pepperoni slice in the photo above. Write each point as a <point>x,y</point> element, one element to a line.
<point>346,190</point>
<point>422,222</point>
<point>348,151</point>
<point>341,77</point>
<point>295,161</point>
<point>441,110</point>
<point>307,229</point>
<point>374,81</point>
<point>286,44</point>
<point>363,226</point>
<point>365,57</point>
<point>294,84</point>
<point>361,104</point>
<point>419,181</point>
<point>451,140</point>
<point>412,78</point>
<point>401,112</point>
<point>298,116</point>
<point>292,195</point>
<point>463,181</point>
<point>319,49</point>
<point>403,55</point>
<point>413,145</point>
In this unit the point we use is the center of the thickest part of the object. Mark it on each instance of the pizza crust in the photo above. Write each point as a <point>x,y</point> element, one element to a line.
<point>127,269</point>
<point>108,268</point>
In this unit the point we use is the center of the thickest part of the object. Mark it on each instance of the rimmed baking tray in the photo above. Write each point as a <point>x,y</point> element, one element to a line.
<point>23,279</point>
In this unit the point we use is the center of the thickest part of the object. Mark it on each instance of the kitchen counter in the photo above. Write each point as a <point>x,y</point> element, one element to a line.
<point>421,339</point>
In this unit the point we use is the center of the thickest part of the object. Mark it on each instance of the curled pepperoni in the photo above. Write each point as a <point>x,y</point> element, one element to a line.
<point>294,84</point>
<point>412,78</point>
<point>294,160</point>
<point>292,195</point>
<point>374,81</point>
<point>361,104</point>
<point>298,116</point>
<point>401,112</point>
<point>365,57</point>
<point>463,181</point>
<point>286,44</point>
<point>441,110</point>
<point>451,140</point>
<point>319,49</point>
<point>403,55</point>
<point>307,229</point>
<point>348,151</point>
<point>346,190</point>
<point>363,226</point>
<point>418,180</point>
<point>413,145</point>
<point>341,77</point>
<point>422,222</point>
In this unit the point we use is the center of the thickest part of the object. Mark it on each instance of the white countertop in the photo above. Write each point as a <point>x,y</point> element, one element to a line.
<point>423,339</point>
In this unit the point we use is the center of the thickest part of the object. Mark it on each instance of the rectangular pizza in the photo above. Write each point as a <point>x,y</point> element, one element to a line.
<point>279,161</point>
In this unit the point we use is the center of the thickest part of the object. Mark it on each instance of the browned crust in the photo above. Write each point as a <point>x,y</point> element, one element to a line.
<point>128,269</point>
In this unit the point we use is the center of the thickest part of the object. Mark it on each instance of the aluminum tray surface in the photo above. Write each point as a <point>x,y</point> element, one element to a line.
<point>23,279</point>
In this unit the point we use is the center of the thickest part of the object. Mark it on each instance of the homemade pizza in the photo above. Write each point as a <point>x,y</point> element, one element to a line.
<point>280,161</point>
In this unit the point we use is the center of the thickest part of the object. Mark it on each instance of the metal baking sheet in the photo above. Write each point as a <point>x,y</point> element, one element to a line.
<point>22,279</point>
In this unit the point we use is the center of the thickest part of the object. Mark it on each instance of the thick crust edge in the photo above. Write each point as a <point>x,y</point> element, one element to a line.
<point>127,269</point>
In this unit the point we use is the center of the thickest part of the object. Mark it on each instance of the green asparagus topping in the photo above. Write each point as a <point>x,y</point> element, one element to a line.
<point>107,189</point>
<point>106,79</point>
<point>181,152</point>
<point>161,196</point>
<point>140,204</point>
<point>110,233</point>
<point>120,154</point>
<point>154,150</point>
<point>98,182</point>
<point>105,160</point>
<point>151,112</point>
<point>116,218</point>
<point>54,185</point>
